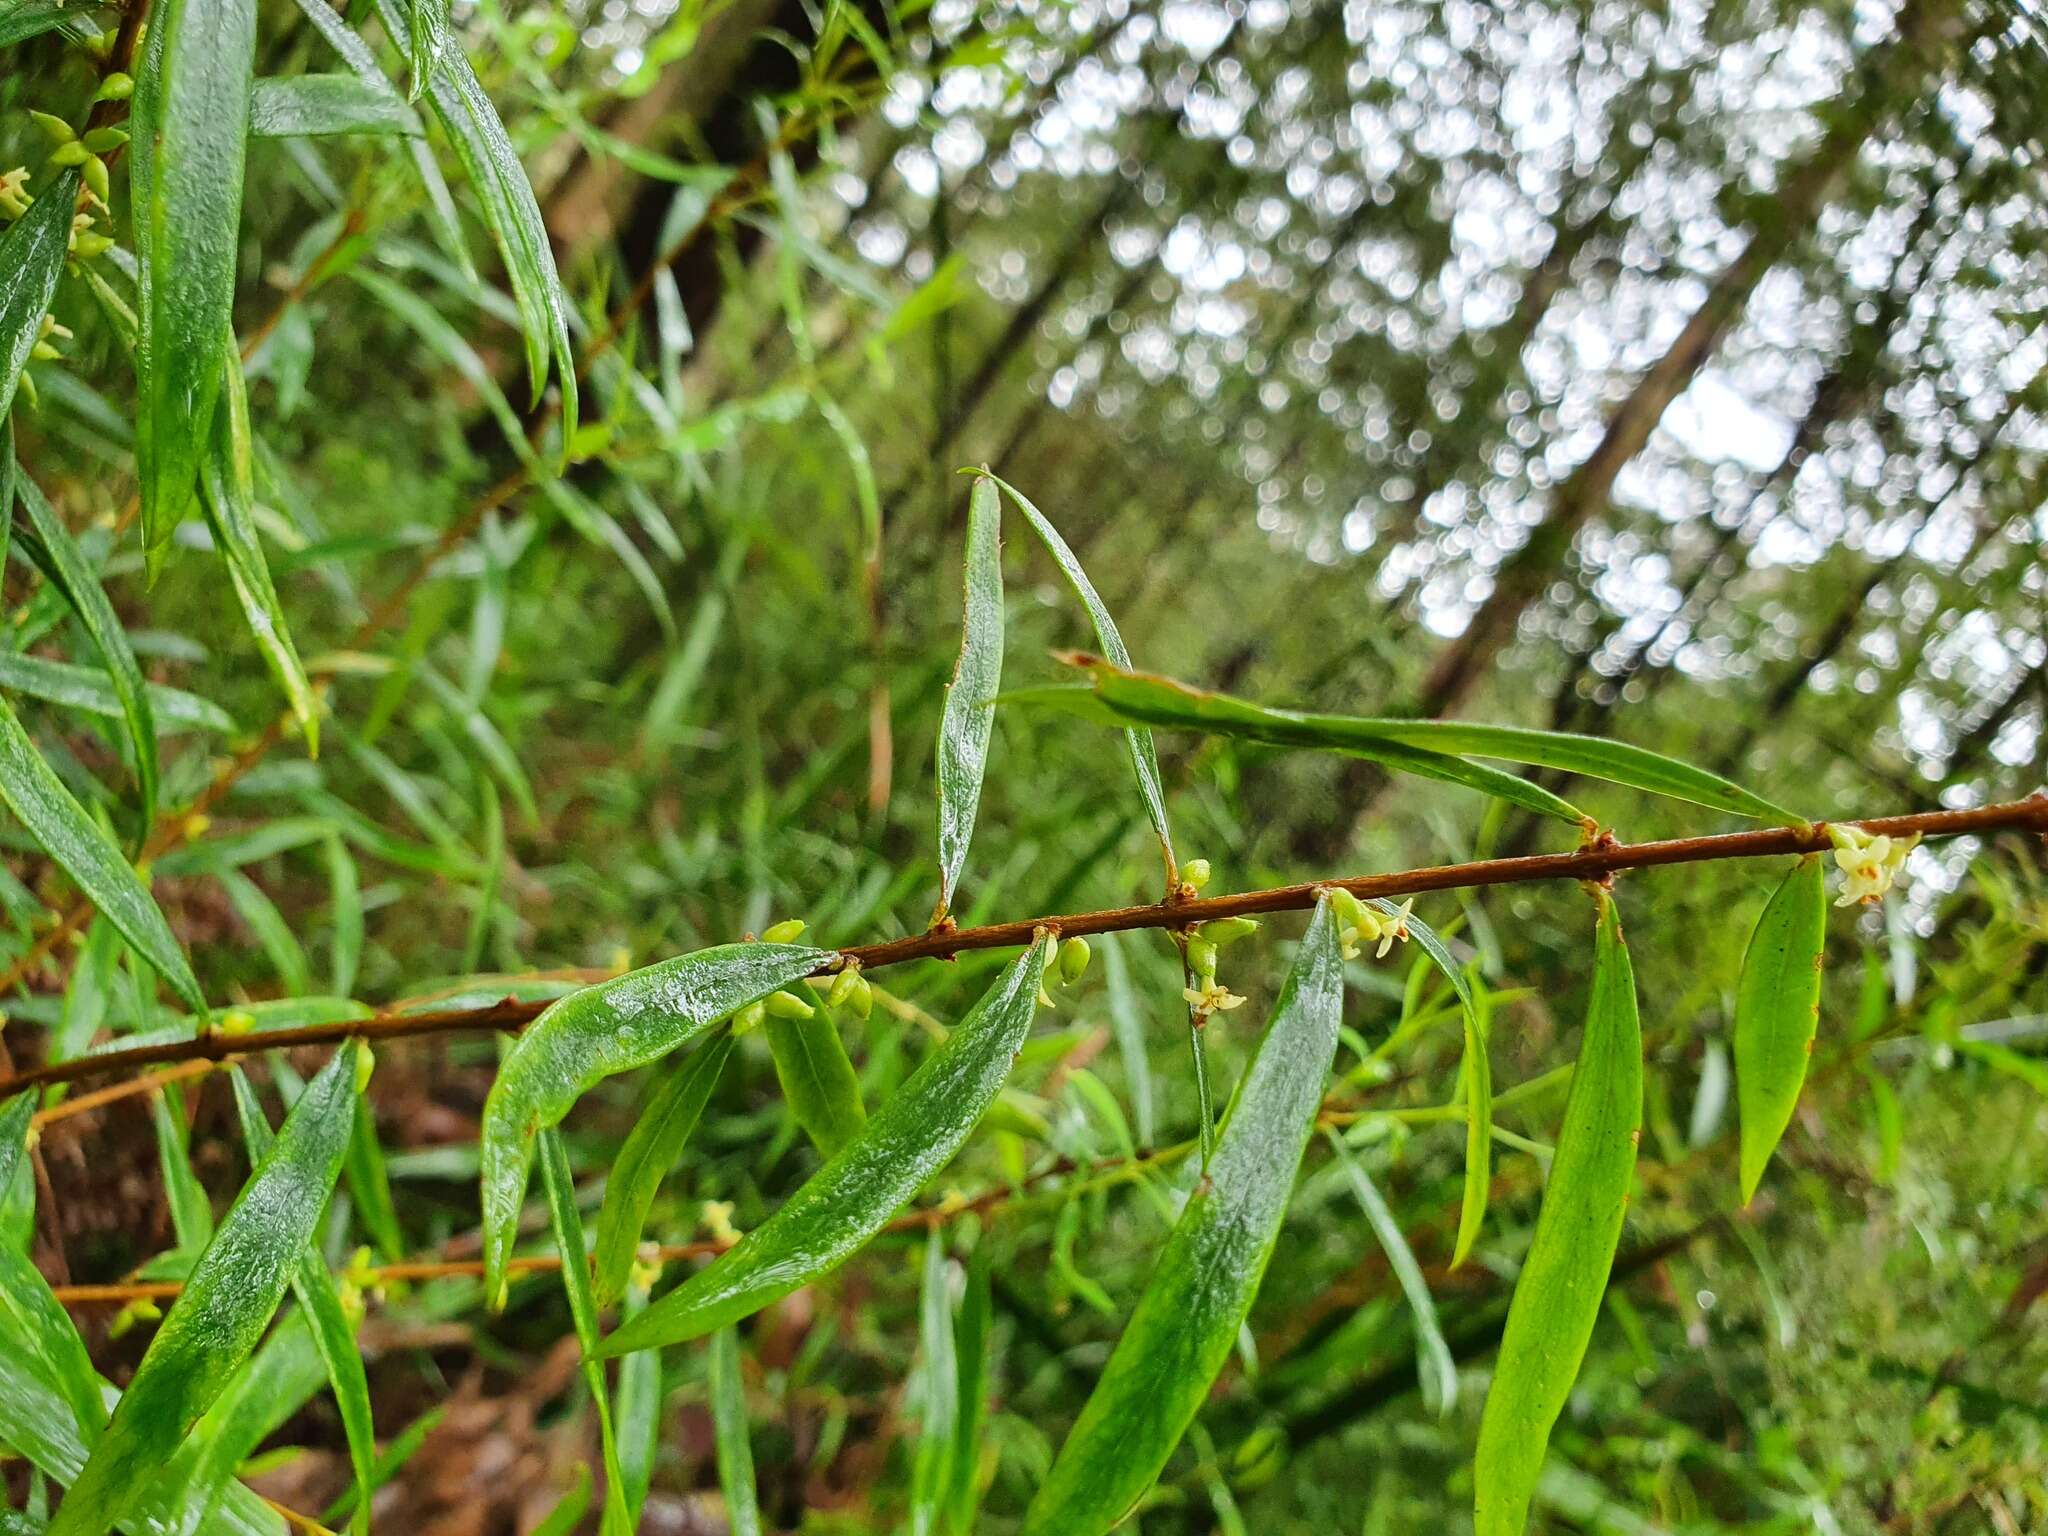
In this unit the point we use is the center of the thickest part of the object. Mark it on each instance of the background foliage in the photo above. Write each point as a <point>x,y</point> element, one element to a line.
<point>1668,373</point>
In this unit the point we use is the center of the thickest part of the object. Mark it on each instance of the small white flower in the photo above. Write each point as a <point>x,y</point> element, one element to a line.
<point>1211,997</point>
<point>1870,863</point>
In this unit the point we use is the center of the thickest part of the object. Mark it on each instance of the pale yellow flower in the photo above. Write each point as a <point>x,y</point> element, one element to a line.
<point>1870,863</point>
<point>1211,997</point>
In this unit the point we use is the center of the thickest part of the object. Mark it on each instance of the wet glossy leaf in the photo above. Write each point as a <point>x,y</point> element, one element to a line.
<point>39,1318</point>
<point>1557,1297</point>
<point>31,258</point>
<point>1439,1372</point>
<point>227,1303</point>
<point>1137,739</point>
<point>817,1080</point>
<point>319,1297</point>
<point>729,1427</point>
<point>44,806</point>
<point>939,1405</point>
<point>90,691</point>
<point>191,1211</point>
<point>971,1354</point>
<point>844,1203</point>
<point>316,106</point>
<point>1187,1322</point>
<point>1777,1008</point>
<point>190,124</point>
<point>636,1411</point>
<point>50,545</point>
<point>969,717</point>
<point>21,20</point>
<point>648,1154</point>
<point>567,1223</point>
<point>600,1031</point>
<point>369,1185</point>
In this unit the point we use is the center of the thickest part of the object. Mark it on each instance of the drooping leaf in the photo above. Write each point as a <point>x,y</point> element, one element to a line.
<point>1162,701</point>
<point>1137,739</point>
<point>606,1029</point>
<point>939,1404</point>
<point>729,1427</point>
<point>969,717</point>
<point>1438,1370</point>
<point>846,1202</point>
<point>818,1080</point>
<point>509,209</point>
<point>190,124</point>
<point>230,505</point>
<point>1557,1298</point>
<point>1187,1321</point>
<point>57,555</point>
<point>1478,1068</point>
<point>319,1297</point>
<point>649,1152</point>
<point>226,1304</point>
<point>92,692</point>
<point>568,1228</point>
<point>316,106</point>
<point>31,259</point>
<point>1777,1008</point>
<point>59,824</point>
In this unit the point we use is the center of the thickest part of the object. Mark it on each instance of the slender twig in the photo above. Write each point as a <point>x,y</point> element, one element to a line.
<point>1597,861</point>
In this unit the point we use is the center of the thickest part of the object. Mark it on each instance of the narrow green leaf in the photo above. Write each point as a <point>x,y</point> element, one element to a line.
<point>1187,1322</point>
<point>567,1515</point>
<point>191,1211</point>
<point>426,39</point>
<point>230,506</point>
<point>57,555</point>
<point>1777,1008</point>
<point>21,20</point>
<point>44,806</point>
<point>1144,757</point>
<point>1207,712</point>
<point>729,1426</point>
<point>40,1318</point>
<point>939,1405</point>
<point>333,1335</point>
<point>345,912</point>
<point>970,1352</point>
<point>1128,1022</point>
<point>509,209</point>
<point>190,122</point>
<point>636,1409</point>
<point>673,1106</point>
<point>1478,1081</point>
<point>31,258</point>
<point>568,1229</point>
<point>970,718</point>
<point>846,1202</point>
<point>316,106</point>
<point>390,1462</point>
<point>817,1080</point>
<point>1557,1298</point>
<point>92,692</point>
<point>227,1303</point>
<point>369,1185</point>
<point>1438,1371</point>
<point>603,1030</point>
<point>273,1384</point>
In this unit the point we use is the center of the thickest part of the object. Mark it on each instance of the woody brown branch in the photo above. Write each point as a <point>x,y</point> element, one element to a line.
<point>1594,862</point>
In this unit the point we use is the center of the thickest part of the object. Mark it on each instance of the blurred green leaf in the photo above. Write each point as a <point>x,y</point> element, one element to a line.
<point>316,106</point>
<point>1777,1009</point>
<point>729,1427</point>
<point>818,1080</point>
<point>1438,1371</point>
<point>969,718</point>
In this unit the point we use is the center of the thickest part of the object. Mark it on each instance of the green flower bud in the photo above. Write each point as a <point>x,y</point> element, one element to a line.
<point>96,178</point>
<point>70,153</point>
<point>100,140</point>
<point>87,247</point>
<point>116,87</point>
<point>1074,957</point>
<point>787,1005</point>
<point>1228,930</point>
<point>748,1019</point>
<point>843,983</point>
<point>1202,958</point>
<point>366,1063</point>
<point>1195,874</point>
<point>54,128</point>
<point>785,932</point>
<point>43,352</point>
<point>860,996</point>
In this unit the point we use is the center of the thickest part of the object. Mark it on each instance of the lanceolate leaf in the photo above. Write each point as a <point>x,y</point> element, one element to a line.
<point>970,716</point>
<point>817,1079</point>
<point>591,1035</point>
<point>729,1428</point>
<point>1557,1297</point>
<point>1144,758</point>
<point>1188,1319</point>
<point>333,1336</point>
<point>230,503</point>
<point>44,806</point>
<point>568,1228</point>
<point>314,106</point>
<point>227,1302</point>
<point>191,115</point>
<point>31,257</point>
<point>650,1150</point>
<point>938,1426</point>
<point>92,692</point>
<point>1478,1082</point>
<point>970,1352</point>
<point>846,1202</point>
<point>57,555</point>
<point>1777,1008</point>
<point>1138,695</point>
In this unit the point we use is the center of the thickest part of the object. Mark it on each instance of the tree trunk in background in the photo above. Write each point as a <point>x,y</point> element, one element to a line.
<point>1890,74</point>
